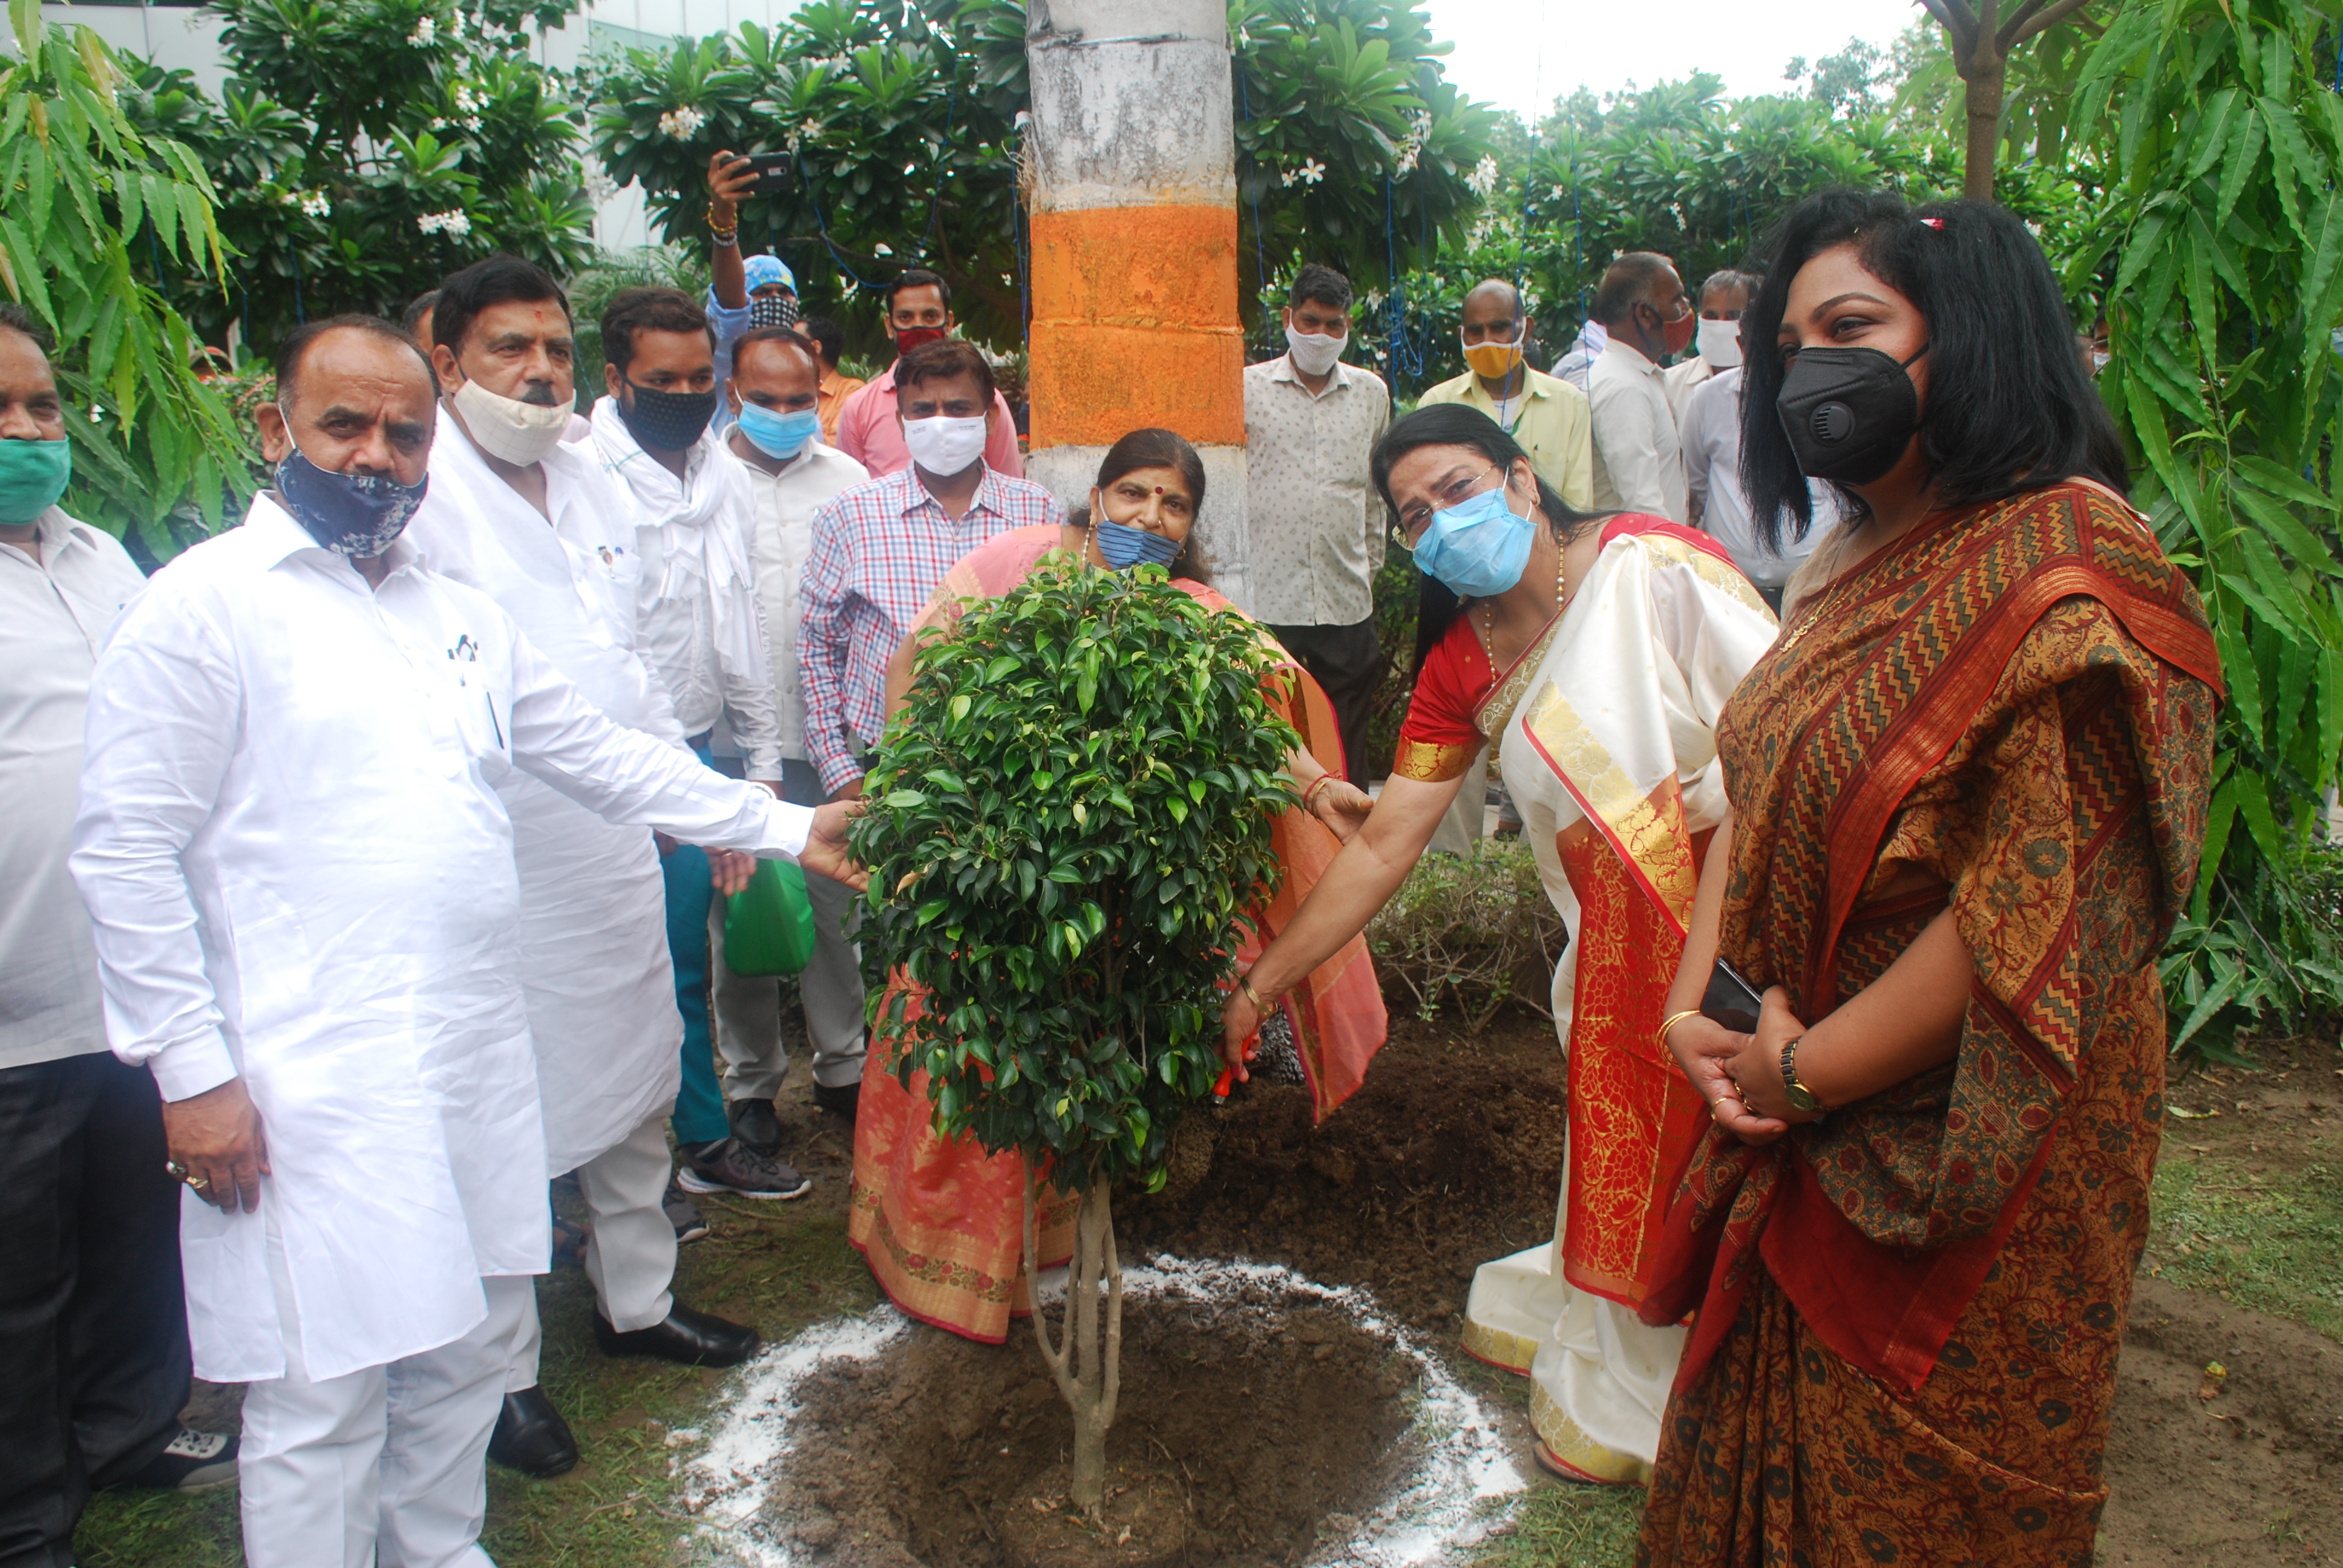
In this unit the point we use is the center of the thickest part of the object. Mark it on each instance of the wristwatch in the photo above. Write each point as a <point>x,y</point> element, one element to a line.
<point>1801,1097</point>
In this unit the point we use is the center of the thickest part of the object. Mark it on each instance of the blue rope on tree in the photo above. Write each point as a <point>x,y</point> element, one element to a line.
<point>821,227</point>
<point>1260,250</point>
<point>293,249</point>
<point>1407,355</point>
<point>936,202</point>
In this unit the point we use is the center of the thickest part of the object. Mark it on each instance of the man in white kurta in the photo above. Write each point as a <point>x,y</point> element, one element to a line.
<point>299,873</point>
<point>539,527</point>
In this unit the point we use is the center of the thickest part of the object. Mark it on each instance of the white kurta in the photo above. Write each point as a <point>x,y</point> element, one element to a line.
<point>780,539</point>
<point>299,868</point>
<point>593,924</point>
<point>1648,653</point>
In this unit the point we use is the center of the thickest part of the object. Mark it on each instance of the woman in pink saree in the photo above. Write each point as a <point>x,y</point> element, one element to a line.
<point>940,1220</point>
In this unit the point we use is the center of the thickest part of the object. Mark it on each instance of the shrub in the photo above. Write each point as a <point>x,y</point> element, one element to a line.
<point>1474,931</point>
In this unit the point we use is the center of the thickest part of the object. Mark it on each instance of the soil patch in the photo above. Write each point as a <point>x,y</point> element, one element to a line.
<point>1449,1155</point>
<point>1248,1429</point>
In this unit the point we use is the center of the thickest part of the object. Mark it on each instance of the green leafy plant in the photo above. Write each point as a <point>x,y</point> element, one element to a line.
<point>2217,130</point>
<point>157,454</point>
<point>1472,931</point>
<point>1068,827</point>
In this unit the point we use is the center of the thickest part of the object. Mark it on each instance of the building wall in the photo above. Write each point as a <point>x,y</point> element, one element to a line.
<point>187,38</point>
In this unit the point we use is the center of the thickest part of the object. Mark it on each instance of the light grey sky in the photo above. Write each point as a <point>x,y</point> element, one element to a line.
<point>1522,55</point>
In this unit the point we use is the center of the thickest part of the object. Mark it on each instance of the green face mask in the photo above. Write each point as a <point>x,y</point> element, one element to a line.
<point>33,475</point>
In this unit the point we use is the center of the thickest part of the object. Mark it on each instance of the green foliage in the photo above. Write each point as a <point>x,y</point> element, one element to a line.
<point>1473,931</point>
<point>591,291</point>
<point>1069,826</point>
<point>154,453</point>
<point>2268,956</point>
<point>903,117</point>
<point>2217,130</point>
<point>367,148</point>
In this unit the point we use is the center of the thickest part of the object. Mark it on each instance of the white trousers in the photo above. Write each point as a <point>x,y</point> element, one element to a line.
<point>631,1256</point>
<point>384,1466</point>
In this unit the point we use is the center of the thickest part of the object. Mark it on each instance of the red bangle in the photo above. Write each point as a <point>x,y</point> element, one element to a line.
<point>1316,784</point>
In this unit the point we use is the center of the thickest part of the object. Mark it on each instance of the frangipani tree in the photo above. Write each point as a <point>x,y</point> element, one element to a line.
<point>1068,827</point>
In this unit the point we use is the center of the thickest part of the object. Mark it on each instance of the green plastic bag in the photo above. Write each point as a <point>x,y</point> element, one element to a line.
<point>768,924</point>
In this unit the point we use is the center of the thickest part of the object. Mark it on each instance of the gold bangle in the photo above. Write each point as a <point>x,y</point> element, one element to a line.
<point>1315,785</point>
<point>1673,1019</point>
<point>1244,984</point>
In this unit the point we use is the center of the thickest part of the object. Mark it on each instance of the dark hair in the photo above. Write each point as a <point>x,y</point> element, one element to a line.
<point>783,336</point>
<point>2010,408</point>
<point>416,309</point>
<point>647,309</point>
<point>946,356</point>
<point>298,343</point>
<point>1460,425</point>
<point>498,279</point>
<point>1627,284</point>
<point>828,337</point>
<point>1730,278</point>
<point>1320,285</point>
<point>16,318</point>
<point>917,277</point>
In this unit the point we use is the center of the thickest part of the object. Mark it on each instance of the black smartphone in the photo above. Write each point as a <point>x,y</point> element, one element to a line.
<point>1730,1000</point>
<point>773,172</point>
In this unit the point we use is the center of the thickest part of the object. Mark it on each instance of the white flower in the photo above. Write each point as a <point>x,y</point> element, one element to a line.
<point>882,250</point>
<point>1311,172</point>
<point>599,187</point>
<point>683,124</point>
<point>317,204</point>
<point>469,105</point>
<point>1484,177</point>
<point>453,224</point>
<point>425,34</point>
<point>1410,147</point>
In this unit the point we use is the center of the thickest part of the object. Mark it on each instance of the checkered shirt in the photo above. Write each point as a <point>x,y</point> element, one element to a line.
<point>880,551</point>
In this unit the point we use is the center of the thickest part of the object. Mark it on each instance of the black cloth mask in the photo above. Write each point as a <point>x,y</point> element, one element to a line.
<point>667,421</point>
<point>1849,412</point>
<point>354,515</point>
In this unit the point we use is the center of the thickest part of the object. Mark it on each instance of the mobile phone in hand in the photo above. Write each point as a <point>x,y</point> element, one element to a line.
<point>772,171</point>
<point>1731,1000</point>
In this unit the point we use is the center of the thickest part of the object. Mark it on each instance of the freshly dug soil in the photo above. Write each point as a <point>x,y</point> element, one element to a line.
<point>1448,1156</point>
<point>1246,1429</point>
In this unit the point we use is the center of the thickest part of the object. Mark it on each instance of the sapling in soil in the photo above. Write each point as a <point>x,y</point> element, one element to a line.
<point>1069,826</point>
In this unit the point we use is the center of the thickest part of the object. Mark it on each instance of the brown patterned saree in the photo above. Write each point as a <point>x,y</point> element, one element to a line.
<point>1908,1312</point>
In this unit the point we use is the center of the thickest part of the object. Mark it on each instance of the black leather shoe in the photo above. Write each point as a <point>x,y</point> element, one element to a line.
<point>754,1124</point>
<point>842,1098</point>
<point>531,1437</point>
<point>694,1339</point>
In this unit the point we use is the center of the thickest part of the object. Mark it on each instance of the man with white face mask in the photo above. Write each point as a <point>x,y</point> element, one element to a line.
<point>880,551</point>
<point>1315,526</point>
<point>1716,341</point>
<point>538,527</point>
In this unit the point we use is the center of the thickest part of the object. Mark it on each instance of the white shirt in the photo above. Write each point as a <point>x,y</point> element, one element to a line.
<point>1638,464</point>
<point>1316,527</point>
<point>699,618</point>
<point>593,939</point>
<point>299,870</point>
<point>54,613</point>
<point>779,538</point>
<point>1680,381</point>
<point>1711,460</point>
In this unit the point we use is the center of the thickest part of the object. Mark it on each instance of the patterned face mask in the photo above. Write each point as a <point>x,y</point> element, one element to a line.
<point>354,514</point>
<point>778,310</point>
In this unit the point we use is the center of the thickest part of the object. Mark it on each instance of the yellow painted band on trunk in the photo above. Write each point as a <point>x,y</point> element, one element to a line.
<point>1135,324</point>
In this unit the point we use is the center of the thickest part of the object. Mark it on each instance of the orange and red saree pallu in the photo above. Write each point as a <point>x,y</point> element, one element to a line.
<point>938,1219</point>
<point>1608,747</point>
<point>1909,1311</point>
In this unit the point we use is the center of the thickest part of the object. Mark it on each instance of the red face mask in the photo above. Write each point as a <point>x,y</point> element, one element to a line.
<point>1679,333</point>
<point>909,337</point>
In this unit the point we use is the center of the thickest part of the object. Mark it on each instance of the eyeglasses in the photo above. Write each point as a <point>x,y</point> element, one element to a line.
<point>1418,516</point>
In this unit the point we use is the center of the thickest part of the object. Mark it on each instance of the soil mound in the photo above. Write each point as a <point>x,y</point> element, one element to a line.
<point>1449,1155</point>
<point>1248,1429</point>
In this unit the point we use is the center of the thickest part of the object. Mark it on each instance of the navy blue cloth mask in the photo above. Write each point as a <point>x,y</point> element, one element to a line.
<point>354,515</point>
<point>1125,548</point>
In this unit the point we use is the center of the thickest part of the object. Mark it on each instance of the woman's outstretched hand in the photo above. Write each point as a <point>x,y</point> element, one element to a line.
<point>1710,1054</point>
<point>1342,805</point>
<point>1240,1021</point>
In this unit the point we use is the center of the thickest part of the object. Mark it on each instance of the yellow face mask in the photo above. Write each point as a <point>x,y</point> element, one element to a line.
<point>1493,359</point>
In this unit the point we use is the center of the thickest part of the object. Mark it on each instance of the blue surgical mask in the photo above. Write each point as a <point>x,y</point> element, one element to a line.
<point>778,435</point>
<point>1479,547</point>
<point>1125,548</point>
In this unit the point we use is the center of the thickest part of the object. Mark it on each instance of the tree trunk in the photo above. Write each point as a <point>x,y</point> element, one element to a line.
<point>1087,1366</point>
<point>1986,73</point>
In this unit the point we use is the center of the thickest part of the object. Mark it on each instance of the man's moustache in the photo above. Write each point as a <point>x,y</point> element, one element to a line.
<point>539,393</point>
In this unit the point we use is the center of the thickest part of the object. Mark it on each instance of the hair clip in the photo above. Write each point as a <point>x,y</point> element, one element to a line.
<point>1935,222</point>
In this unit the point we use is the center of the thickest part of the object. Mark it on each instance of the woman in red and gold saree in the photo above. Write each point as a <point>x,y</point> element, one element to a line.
<point>1598,673</point>
<point>1968,787</point>
<point>938,1219</point>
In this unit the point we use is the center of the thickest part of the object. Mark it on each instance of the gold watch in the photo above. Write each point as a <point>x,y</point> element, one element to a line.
<point>1801,1097</point>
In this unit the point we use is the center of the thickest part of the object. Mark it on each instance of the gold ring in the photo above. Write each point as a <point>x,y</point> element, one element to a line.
<point>199,1183</point>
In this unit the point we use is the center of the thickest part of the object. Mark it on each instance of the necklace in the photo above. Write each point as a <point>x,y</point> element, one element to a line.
<point>1560,602</point>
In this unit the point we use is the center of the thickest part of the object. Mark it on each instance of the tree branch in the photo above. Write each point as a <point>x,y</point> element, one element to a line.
<point>1959,22</point>
<point>1114,1311</point>
<point>2005,33</point>
<point>1055,1359</point>
<point>2057,11</point>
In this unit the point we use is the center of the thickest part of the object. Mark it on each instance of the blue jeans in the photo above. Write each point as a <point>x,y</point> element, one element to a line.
<point>699,1102</point>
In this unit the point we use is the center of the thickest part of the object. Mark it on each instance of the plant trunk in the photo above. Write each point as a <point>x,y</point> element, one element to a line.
<point>1986,74</point>
<point>1086,1365</point>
